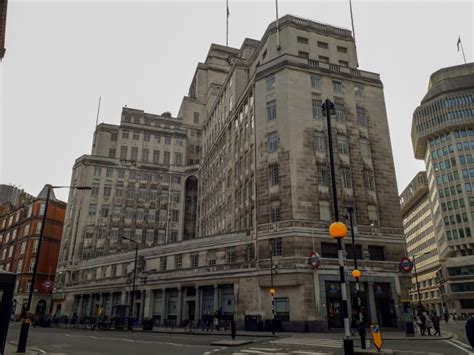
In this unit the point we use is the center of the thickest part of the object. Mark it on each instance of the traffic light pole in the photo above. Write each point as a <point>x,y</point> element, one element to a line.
<point>272,290</point>
<point>348,342</point>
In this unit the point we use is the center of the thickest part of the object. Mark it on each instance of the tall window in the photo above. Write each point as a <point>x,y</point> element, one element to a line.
<point>178,159</point>
<point>156,157</point>
<point>276,247</point>
<point>97,171</point>
<point>275,215</point>
<point>317,109</point>
<point>323,175</point>
<point>361,116</point>
<point>134,153</point>
<point>365,148</point>
<point>369,181</point>
<point>123,152</point>
<point>270,82</point>
<point>112,152</point>
<point>340,113</point>
<point>196,117</point>
<point>315,81</point>
<point>359,90</point>
<point>346,178</point>
<point>166,158</point>
<point>178,261</point>
<point>319,142</point>
<point>271,110</point>
<point>230,255</point>
<point>145,155</point>
<point>113,137</point>
<point>324,211</point>
<point>337,87</point>
<point>194,260</point>
<point>163,262</point>
<point>274,174</point>
<point>342,144</point>
<point>272,142</point>
<point>373,214</point>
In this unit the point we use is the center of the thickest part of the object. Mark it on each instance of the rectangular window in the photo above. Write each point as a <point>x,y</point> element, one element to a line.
<point>317,109</point>
<point>272,142</point>
<point>329,250</point>
<point>178,261</point>
<point>274,174</point>
<point>166,158</point>
<point>337,87</point>
<point>346,178</point>
<point>365,149</point>
<point>275,213</point>
<point>322,45</point>
<point>156,157</point>
<point>270,82</point>
<point>145,155</point>
<point>323,58</point>
<point>125,134</point>
<point>361,116</point>
<point>344,63</point>
<point>32,264</point>
<point>211,257</point>
<point>303,54</point>
<point>167,140</point>
<point>315,81</point>
<point>271,110</point>
<point>342,144</point>
<point>97,171</point>
<point>178,159</point>
<point>324,211</point>
<point>146,137</point>
<point>112,153</point>
<point>376,253</point>
<point>276,247</point>
<point>373,214</point>
<point>350,252</point>
<point>174,215</point>
<point>196,117</point>
<point>134,153</point>
<point>369,181</point>
<point>323,174</point>
<point>123,152</point>
<point>163,262</point>
<point>319,142</point>
<point>340,113</point>
<point>92,210</point>
<point>341,49</point>
<point>230,255</point>
<point>359,90</point>
<point>194,260</point>
<point>282,308</point>
<point>113,137</point>
<point>302,40</point>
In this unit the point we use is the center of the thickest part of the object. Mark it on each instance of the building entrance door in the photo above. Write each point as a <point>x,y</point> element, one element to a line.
<point>192,310</point>
<point>334,305</point>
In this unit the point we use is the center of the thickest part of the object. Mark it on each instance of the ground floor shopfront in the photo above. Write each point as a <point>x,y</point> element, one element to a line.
<point>304,300</point>
<point>40,304</point>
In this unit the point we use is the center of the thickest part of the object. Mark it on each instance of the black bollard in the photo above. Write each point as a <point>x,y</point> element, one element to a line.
<point>362,334</point>
<point>232,329</point>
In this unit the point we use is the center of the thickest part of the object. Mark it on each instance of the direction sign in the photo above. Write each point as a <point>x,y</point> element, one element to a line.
<point>376,336</point>
<point>406,265</point>
<point>314,260</point>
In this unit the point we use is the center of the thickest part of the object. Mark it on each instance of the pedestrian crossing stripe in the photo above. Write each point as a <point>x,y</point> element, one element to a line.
<point>325,343</point>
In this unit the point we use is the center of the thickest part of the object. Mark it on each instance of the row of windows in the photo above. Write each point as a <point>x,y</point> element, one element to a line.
<point>443,138</point>
<point>457,218</point>
<point>441,152</point>
<point>13,234</point>
<point>419,236</point>
<point>329,250</point>
<point>450,191</point>
<point>134,174</point>
<point>342,144</point>
<point>461,270</point>
<point>452,205</point>
<point>7,252</point>
<point>462,287</point>
<point>458,233</point>
<point>465,146</point>
<point>146,137</point>
<point>146,156</point>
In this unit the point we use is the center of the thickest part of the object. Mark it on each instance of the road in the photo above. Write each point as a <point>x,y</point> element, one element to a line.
<point>56,341</point>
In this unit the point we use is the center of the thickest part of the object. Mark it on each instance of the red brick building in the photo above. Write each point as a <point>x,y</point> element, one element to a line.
<point>20,227</point>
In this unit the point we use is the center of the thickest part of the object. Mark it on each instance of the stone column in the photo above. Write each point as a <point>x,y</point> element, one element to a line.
<point>147,309</point>
<point>372,305</point>
<point>80,306</point>
<point>317,290</point>
<point>179,309</point>
<point>123,297</point>
<point>164,308</point>
<point>216,298</point>
<point>91,305</point>
<point>142,304</point>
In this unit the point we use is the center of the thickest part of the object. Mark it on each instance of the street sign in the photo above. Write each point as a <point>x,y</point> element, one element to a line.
<point>376,336</point>
<point>314,260</point>
<point>406,265</point>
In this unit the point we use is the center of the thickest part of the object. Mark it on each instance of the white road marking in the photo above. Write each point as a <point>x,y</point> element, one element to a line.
<point>461,343</point>
<point>308,352</point>
<point>458,346</point>
<point>265,349</point>
<point>247,351</point>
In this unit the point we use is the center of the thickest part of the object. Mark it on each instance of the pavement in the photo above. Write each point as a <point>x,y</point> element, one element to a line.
<point>62,341</point>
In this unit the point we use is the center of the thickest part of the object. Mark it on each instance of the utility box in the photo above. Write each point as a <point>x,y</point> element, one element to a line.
<point>7,285</point>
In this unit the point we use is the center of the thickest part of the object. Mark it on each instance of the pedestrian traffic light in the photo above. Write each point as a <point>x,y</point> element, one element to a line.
<point>272,291</point>
<point>337,230</point>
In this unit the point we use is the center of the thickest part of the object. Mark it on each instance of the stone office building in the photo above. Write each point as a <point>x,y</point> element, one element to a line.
<point>443,136</point>
<point>240,173</point>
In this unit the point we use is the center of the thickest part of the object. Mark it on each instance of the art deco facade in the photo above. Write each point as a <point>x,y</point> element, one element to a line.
<point>421,242</point>
<point>443,136</point>
<point>20,226</point>
<point>242,170</point>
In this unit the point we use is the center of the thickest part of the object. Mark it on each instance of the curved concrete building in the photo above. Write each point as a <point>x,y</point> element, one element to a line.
<point>443,136</point>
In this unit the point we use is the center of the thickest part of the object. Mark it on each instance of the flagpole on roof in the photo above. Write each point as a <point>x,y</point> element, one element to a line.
<point>227,24</point>
<point>462,49</point>
<point>353,30</point>
<point>98,110</point>
<point>277,26</point>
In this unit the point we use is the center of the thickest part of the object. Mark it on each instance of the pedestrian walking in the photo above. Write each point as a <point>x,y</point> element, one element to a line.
<point>470,331</point>
<point>421,324</point>
<point>354,321</point>
<point>428,323</point>
<point>446,317</point>
<point>436,324</point>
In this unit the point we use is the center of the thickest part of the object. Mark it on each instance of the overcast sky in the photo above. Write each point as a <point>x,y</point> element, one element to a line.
<point>62,55</point>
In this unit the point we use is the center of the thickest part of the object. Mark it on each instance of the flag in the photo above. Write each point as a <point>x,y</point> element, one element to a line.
<point>459,42</point>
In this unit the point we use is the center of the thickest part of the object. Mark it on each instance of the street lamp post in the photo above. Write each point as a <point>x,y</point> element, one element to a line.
<point>355,272</point>
<point>272,290</point>
<point>132,296</point>
<point>328,108</point>
<point>420,306</point>
<point>25,324</point>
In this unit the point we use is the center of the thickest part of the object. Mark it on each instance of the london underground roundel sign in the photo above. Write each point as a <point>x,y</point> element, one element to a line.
<point>406,265</point>
<point>314,260</point>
